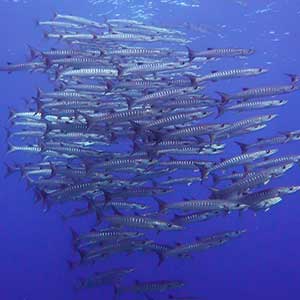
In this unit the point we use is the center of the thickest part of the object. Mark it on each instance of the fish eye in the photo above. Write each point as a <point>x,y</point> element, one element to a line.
<point>270,116</point>
<point>268,151</point>
<point>284,167</point>
<point>223,125</point>
<point>260,69</point>
<point>205,113</point>
<point>214,150</point>
<point>170,225</point>
<point>280,101</point>
<point>291,188</point>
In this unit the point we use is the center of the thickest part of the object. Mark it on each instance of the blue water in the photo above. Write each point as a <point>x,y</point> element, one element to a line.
<point>262,264</point>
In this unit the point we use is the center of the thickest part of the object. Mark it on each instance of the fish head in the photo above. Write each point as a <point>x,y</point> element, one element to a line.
<point>235,233</point>
<point>135,234</point>
<point>295,137</point>
<point>212,151</point>
<point>270,152</point>
<point>174,284</point>
<point>255,127</point>
<point>237,206</point>
<point>165,190</point>
<point>129,270</point>
<point>141,206</point>
<point>293,88</point>
<point>172,226</point>
<point>289,189</point>
<point>217,146</point>
<point>279,170</point>
<point>269,117</point>
<point>248,51</point>
<point>267,203</point>
<point>261,70</point>
<point>222,126</point>
<point>280,102</point>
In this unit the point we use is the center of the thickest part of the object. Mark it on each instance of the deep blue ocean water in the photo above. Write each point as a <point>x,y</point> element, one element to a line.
<point>262,264</point>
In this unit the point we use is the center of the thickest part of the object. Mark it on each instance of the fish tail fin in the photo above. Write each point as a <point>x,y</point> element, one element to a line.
<point>75,235</point>
<point>204,171</point>
<point>53,170</point>
<point>191,54</point>
<point>33,53</point>
<point>193,79</point>
<point>107,196</point>
<point>9,170</point>
<point>89,120</point>
<point>216,179</point>
<point>109,85</point>
<point>224,97</point>
<point>137,128</point>
<point>120,70</point>
<point>82,255</point>
<point>117,291</point>
<point>214,191</point>
<point>71,264</point>
<point>136,147</point>
<point>161,258</point>
<point>243,146</point>
<point>46,35</point>
<point>29,183</point>
<point>129,100</point>
<point>221,110</point>
<point>48,64</point>
<point>99,215</point>
<point>36,22</point>
<point>11,113</point>
<point>293,77</point>
<point>162,205</point>
<point>10,148</point>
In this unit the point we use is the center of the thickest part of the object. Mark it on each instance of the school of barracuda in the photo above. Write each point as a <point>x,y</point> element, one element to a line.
<point>127,123</point>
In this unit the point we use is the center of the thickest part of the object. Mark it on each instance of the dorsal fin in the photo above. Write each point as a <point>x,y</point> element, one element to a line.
<point>214,71</point>
<point>245,89</point>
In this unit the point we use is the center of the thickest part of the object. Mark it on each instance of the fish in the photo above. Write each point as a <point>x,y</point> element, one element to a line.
<point>251,105</point>
<point>109,277</point>
<point>251,180</point>
<point>139,222</point>
<point>202,244</point>
<point>204,205</point>
<point>243,159</point>
<point>212,53</point>
<point>250,93</point>
<point>235,73</point>
<point>143,287</point>
<point>283,138</point>
<point>195,217</point>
